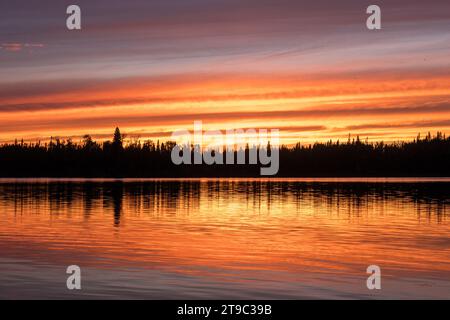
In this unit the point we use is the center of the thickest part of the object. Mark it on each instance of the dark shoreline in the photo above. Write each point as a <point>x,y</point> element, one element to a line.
<point>427,157</point>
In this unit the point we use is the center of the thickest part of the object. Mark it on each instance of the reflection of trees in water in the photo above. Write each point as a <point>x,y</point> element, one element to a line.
<point>351,198</point>
<point>135,198</point>
<point>166,197</point>
<point>113,198</point>
<point>90,195</point>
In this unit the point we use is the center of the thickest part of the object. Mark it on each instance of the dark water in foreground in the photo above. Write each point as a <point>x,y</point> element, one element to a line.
<point>205,239</point>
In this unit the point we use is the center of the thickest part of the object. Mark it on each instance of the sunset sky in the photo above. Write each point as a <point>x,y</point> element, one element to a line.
<point>309,68</point>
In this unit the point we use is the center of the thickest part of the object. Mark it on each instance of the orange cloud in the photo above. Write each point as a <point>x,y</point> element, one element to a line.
<point>331,106</point>
<point>15,47</point>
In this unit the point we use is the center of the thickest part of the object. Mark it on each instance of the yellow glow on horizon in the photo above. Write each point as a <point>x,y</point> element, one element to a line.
<point>241,103</point>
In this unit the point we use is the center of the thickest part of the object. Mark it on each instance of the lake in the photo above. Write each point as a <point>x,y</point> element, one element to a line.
<point>225,238</point>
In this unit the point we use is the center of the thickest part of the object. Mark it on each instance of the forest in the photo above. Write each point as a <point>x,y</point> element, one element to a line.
<point>423,156</point>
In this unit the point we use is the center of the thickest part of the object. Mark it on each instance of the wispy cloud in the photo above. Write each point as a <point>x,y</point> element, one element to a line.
<point>16,47</point>
<point>156,65</point>
<point>440,124</point>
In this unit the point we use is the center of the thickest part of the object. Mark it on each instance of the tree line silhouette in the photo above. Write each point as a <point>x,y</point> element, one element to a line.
<point>427,156</point>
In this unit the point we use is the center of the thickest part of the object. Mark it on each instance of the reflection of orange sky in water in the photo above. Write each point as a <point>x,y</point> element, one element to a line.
<point>231,227</point>
<point>306,109</point>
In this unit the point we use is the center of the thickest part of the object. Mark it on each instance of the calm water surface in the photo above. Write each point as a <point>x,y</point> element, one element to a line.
<point>204,239</point>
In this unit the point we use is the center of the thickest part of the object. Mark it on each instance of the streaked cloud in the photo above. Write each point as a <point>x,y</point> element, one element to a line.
<point>152,66</point>
<point>444,124</point>
<point>14,47</point>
